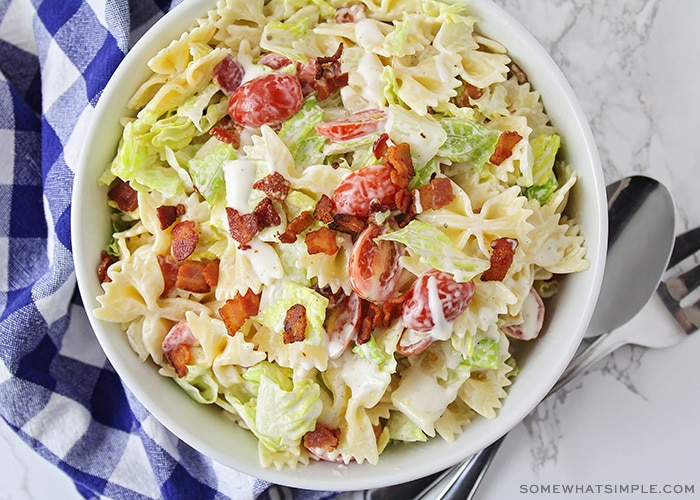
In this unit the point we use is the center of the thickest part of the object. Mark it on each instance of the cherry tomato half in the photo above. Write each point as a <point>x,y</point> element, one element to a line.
<point>266,100</point>
<point>354,125</point>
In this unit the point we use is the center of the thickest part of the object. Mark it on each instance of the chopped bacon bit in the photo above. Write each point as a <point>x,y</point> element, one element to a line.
<point>324,210</point>
<point>470,92</point>
<point>266,214</point>
<point>238,309</point>
<point>295,324</point>
<point>211,272</point>
<point>321,241</point>
<point>501,259</point>
<point>504,148</point>
<point>124,196</point>
<point>168,214</point>
<point>371,317</point>
<point>185,239</point>
<point>323,75</point>
<point>179,358</point>
<point>350,14</point>
<point>398,157</point>
<point>243,227</point>
<point>380,146</point>
<point>392,309</point>
<point>323,438</point>
<point>348,224</point>
<point>106,260</point>
<point>176,346</point>
<point>228,74</point>
<point>228,131</point>
<point>519,74</point>
<point>169,268</point>
<point>296,226</point>
<point>435,195</point>
<point>403,199</point>
<point>274,185</point>
<point>190,277</point>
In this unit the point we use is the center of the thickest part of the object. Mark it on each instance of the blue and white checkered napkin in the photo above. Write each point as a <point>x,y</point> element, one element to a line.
<point>57,390</point>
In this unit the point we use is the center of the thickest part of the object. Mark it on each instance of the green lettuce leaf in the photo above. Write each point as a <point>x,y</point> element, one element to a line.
<point>300,136</point>
<point>279,418</point>
<point>544,151</point>
<point>484,355</point>
<point>435,249</point>
<point>207,173</point>
<point>199,384</point>
<point>467,141</point>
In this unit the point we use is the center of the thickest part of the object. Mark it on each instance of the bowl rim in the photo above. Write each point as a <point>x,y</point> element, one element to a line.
<point>413,461</point>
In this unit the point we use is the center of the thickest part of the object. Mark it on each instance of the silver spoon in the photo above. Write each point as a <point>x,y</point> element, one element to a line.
<point>639,209</point>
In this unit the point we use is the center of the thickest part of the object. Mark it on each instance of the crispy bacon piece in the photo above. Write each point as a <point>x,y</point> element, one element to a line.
<point>504,148</point>
<point>321,241</point>
<point>348,224</point>
<point>294,324</point>
<point>470,92</point>
<point>124,196</point>
<point>266,214</point>
<point>191,276</point>
<point>398,157</point>
<point>243,227</point>
<point>321,438</point>
<point>392,309</point>
<point>185,239</point>
<point>169,268</point>
<point>380,146</point>
<point>296,226</point>
<point>168,214</point>
<point>228,74</point>
<point>273,60</point>
<point>519,74</point>
<point>437,194</point>
<point>106,260</point>
<point>238,309</point>
<point>324,210</point>
<point>372,316</point>
<point>228,131</point>
<point>501,259</point>
<point>274,185</point>
<point>211,272</point>
<point>323,75</point>
<point>176,346</point>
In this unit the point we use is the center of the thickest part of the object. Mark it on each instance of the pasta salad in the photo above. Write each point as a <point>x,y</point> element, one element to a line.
<point>334,220</point>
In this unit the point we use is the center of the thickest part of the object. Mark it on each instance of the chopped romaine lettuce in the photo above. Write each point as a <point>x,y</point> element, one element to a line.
<point>300,136</point>
<point>484,355</point>
<point>544,151</point>
<point>467,141</point>
<point>208,173</point>
<point>199,383</point>
<point>436,249</point>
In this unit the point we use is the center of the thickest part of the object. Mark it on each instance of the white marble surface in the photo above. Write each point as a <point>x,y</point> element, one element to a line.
<point>631,422</point>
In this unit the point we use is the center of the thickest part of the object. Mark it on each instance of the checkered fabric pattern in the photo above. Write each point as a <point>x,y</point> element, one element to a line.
<point>57,389</point>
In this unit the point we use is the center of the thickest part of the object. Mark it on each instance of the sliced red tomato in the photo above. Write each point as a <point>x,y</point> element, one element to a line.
<point>374,268</point>
<point>266,100</point>
<point>354,125</point>
<point>353,195</point>
<point>274,60</point>
<point>435,298</point>
<point>532,314</point>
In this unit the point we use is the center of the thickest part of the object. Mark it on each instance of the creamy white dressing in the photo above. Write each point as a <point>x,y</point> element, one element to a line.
<point>264,260</point>
<point>239,176</point>
<point>366,382</point>
<point>371,69</point>
<point>533,315</point>
<point>368,34</point>
<point>442,328</point>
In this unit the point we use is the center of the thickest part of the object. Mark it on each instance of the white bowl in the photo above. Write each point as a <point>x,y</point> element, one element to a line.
<point>204,427</point>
